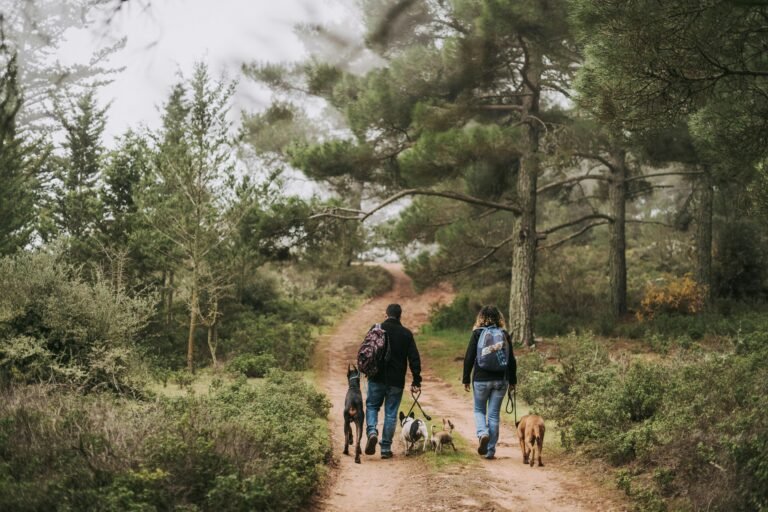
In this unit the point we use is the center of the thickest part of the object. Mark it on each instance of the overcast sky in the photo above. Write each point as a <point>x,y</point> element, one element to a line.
<point>169,36</point>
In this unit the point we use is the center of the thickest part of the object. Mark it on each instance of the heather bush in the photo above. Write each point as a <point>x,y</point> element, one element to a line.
<point>678,425</point>
<point>57,327</point>
<point>238,448</point>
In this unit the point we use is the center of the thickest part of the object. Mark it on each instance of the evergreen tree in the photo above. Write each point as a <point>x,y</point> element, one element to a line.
<point>194,173</point>
<point>77,208</point>
<point>17,164</point>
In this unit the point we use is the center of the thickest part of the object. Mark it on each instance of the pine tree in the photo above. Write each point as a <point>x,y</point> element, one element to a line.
<point>77,208</point>
<point>17,164</point>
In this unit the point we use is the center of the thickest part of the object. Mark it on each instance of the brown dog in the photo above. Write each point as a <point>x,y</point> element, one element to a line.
<point>443,437</point>
<point>530,432</point>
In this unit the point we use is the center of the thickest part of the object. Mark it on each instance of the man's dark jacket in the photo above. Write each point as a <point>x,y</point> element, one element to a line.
<point>403,353</point>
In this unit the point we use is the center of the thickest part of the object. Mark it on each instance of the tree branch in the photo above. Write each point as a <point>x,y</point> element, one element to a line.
<point>638,221</point>
<point>448,195</point>
<point>479,260</point>
<point>571,237</point>
<point>670,173</point>
<point>577,221</point>
<point>556,184</point>
<point>599,158</point>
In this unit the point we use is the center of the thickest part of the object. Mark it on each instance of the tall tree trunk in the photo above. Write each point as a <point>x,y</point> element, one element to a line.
<point>524,244</point>
<point>617,196</point>
<point>169,305</point>
<point>164,295</point>
<point>703,235</point>
<point>213,342</point>
<point>192,324</point>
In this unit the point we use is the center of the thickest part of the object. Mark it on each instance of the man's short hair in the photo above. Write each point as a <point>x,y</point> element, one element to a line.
<point>394,311</point>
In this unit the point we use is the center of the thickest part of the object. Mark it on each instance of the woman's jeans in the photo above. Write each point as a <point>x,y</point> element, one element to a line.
<point>488,396</point>
<point>390,396</point>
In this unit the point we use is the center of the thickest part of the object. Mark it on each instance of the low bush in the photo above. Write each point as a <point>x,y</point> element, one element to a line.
<point>57,327</point>
<point>680,295</point>
<point>237,449</point>
<point>252,366</point>
<point>680,425</point>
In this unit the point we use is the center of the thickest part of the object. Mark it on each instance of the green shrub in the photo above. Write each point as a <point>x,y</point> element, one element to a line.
<point>550,324</point>
<point>60,328</point>
<point>252,366</point>
<point>678,426</point>
<point>238,448</point>
<point>459,314</point>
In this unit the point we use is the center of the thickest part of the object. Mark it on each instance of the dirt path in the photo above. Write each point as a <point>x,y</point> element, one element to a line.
<point>406,483</point>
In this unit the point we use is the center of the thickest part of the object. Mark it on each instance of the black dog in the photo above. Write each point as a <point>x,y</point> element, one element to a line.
<point>353,411</point>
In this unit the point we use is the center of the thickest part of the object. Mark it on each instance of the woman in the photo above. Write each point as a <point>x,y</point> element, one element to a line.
<point>493,370</point>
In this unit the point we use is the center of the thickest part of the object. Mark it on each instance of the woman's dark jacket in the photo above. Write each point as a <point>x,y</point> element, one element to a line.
<point>484,375</point>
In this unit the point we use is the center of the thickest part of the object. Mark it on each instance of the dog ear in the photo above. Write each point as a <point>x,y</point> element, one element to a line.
<point>402,415</point>
<point>412,415</point>
<point>450,424</point>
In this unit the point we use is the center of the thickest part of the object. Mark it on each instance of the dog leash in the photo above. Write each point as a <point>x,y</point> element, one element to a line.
<point>513,400</point>
<point>416,402</point>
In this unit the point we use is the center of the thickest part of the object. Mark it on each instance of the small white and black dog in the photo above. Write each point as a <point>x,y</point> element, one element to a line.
<point>413,431</point>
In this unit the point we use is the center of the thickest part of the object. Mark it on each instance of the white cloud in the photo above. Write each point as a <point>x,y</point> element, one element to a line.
<point>169,36</point>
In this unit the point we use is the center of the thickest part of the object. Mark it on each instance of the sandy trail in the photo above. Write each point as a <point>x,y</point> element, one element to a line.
<point>406,483</point>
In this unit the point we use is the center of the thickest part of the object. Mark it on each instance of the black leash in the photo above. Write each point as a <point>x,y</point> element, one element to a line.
<point>416,402</point>
<point>513,400</point>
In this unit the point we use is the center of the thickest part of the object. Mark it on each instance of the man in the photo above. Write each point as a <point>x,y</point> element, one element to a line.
<point>387,386</point>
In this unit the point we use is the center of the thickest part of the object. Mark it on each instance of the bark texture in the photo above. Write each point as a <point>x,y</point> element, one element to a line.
<point>524,243</point>
<point>617,197</point>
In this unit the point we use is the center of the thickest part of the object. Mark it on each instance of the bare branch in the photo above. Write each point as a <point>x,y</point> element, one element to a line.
<point>638,221</point>
<point>607,218</point>
<point>556,184</point>
<point>599,158</point>
<point>670,173</point>
<point>456,196</point>
<point>572,236</point>
<point>479,260</point>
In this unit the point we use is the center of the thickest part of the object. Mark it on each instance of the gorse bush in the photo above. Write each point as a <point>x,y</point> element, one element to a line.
<point>57,327</point>
<point>680,425</point>
<point>238,449</point>
<point>680,295</point>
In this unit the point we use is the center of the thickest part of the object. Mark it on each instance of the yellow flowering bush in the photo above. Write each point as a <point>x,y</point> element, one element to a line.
<point>681,295</point>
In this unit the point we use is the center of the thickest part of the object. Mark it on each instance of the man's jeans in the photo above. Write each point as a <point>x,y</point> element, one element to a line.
<point>488,395</point>
<point>389,396</point>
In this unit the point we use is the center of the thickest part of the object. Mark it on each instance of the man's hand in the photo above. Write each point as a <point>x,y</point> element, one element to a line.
<point>511,390</point>
<point>415,390</point>
<point>466,387</point>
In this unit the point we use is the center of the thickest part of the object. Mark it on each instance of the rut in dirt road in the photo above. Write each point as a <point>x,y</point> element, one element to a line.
<point>407,483</point>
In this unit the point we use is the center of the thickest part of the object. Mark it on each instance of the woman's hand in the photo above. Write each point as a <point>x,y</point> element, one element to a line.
<point>466,387</point>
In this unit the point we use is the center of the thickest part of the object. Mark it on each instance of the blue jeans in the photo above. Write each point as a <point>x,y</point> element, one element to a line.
<point>488,396</point>
<point>390,396</point>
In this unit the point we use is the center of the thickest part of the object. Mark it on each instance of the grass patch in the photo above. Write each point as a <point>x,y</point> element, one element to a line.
<point>201,383</point>
<point>465,455</point>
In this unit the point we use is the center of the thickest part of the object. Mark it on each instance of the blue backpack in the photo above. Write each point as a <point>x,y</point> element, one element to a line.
<point>492,350</point>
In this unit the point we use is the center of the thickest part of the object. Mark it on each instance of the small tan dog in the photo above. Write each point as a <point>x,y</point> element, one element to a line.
<point>530,432</point>
<point>442,437</point>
